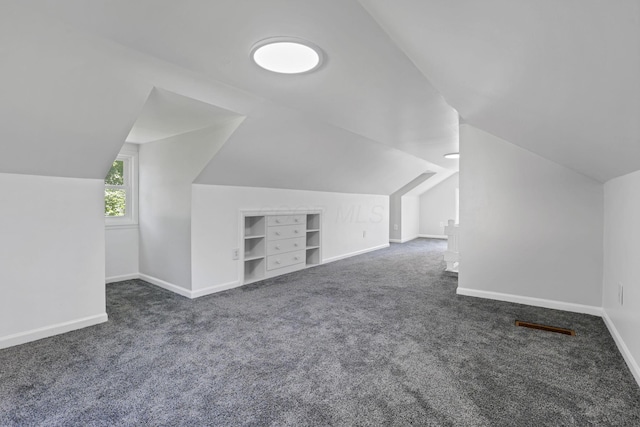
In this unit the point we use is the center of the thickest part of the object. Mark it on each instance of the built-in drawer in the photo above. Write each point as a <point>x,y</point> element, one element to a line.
<point>274,220</point>
<point>285,245</point>
<point>285,260</point>
<point>286,232</point>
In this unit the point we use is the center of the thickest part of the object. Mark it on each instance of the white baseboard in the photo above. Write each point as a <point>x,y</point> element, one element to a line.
<point>434,236</point>
<point>403,240</point>
<point>349,255</point>
<point>187,292</point>
<point>166,285</point>
<point>626,353</point>
<point>536,302</point>
<point>215,288</point>
<point>122,278</point>
<point>49,331</point>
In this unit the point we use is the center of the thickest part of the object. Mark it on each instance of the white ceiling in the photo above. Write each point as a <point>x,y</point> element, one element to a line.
<point>559,78</point>
<point>367,85</point>
<point>167,114</point>
<point>277,147</point>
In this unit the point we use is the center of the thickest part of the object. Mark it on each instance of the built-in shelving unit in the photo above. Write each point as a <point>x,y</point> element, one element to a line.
<point>254,248</point>
<point>313,239</point>
<point>280,242</point>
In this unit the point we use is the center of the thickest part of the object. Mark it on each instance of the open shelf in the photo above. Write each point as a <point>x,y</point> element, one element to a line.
<point>253,248</point>
<point>313,256</point>
<point>313,238</point>
<point>254,226</point>
<point>313,222</point>
<point>254,270</point>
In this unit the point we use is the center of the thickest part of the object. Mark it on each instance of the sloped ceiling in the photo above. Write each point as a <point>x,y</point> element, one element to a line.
<point>367,87</point>
<point>277,147</point>
<point>559,78</point>
<point>167,114</point>
<point>64,111</point>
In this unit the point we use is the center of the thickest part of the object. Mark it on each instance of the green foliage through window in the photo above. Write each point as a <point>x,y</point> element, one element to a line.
<point>116,174</point>
<point>115,199</point>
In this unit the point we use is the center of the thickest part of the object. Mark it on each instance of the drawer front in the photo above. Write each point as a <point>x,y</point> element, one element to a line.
<point>285,245</point>
<point>275,220</point>
<point>285,260</point>
<point>286,232</point>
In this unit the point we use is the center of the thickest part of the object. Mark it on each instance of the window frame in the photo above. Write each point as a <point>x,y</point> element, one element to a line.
<point>130,177</point>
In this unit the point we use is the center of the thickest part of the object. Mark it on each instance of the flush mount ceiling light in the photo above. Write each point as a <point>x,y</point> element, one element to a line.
<point>452,156</point>
<point>286,55</point>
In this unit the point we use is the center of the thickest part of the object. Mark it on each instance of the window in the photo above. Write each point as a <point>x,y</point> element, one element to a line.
<point>120,191</point>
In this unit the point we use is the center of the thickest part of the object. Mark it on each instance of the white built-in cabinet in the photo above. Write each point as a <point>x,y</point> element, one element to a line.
<point>279,242</point>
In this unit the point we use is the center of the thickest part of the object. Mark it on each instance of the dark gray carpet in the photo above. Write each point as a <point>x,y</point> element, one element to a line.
<point>378,339</point>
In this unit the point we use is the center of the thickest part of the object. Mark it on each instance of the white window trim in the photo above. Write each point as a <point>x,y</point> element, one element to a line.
<point>130,220</point>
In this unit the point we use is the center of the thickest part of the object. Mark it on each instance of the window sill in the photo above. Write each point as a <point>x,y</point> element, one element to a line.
<point>120,226</point>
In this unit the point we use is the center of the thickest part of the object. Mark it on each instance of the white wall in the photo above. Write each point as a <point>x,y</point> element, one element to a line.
<point>51,256</point>
<point>410,217</point>
<point>530,228</point>
<point>167,169</point>
<point>404,209</point>
<point>395,217</point>
<point>122,246</point>
<point>438,205</point>
<point>621,256</point>
<point>215,230</point>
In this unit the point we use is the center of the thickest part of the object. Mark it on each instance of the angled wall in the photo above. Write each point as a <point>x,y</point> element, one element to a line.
<point>167,170</point>
<point>438,206</point>
<point>531,229</point>
<point>621,267</point>
<point>276,147</point>
<point>404,210</point>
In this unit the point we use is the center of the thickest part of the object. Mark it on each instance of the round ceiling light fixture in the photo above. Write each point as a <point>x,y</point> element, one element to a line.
<point>452,156</point>
<point>286,55</point>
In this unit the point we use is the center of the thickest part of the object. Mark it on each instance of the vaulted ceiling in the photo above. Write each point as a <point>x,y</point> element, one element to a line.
<point>557,78</point>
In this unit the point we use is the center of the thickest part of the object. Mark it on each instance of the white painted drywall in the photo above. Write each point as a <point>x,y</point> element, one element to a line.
<point>122,246</point>
<point>397,202</point>
<point>410,217</point>
<point>395,217</point>
<point>559,78</point>
<point>167,169</point>
<point>437,206</point>
<point>621,256</point>
<point>51,256</point>
<point>277,147</point>
<point>529,227</point>
<point>215,230</point>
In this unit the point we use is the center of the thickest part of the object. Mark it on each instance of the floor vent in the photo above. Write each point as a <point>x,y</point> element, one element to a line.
<point>546,328</point>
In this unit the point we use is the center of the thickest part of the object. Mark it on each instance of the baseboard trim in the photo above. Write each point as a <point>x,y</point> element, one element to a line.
<point>349,255</point>
<point>122,278</point>
<point>166,285</point>
<point>622,347</point>
<point>403,240</point>
<point>434,236</point>
<point>536,302</point>
<point>214,289</point>
<point>49,331</point>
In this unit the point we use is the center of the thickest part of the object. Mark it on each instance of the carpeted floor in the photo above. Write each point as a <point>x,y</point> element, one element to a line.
<point>378,339</point>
